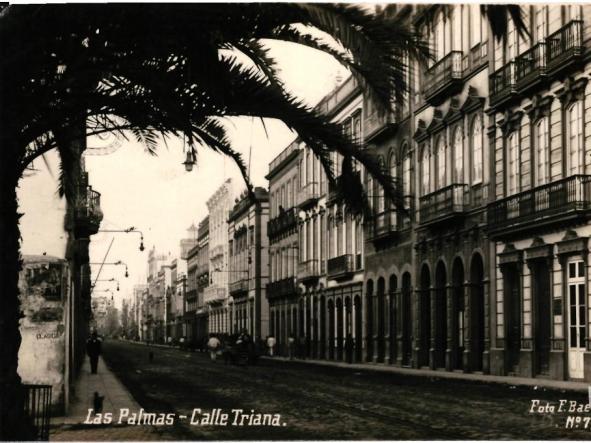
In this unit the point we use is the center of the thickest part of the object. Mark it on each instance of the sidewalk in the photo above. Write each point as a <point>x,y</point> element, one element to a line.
<point>572,386</point>
<point>116,396</point>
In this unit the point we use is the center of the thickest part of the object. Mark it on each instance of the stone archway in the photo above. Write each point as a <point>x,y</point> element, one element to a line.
<point>406,317</point>
<point>358,329</point>
<point>439,339</point>
<point>391,324</point>
<point>380,331</point>
<point>456,353</point>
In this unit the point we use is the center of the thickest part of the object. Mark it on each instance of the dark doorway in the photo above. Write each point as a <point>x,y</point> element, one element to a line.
<point>477,307</point>
<point>512,305</point>
<point>392,317</point>
<point>339,329</point>
<point>440,315</point>
<point>406,317</point>
<point>331,330</point>
<point>542,315</point>
<point>369,318</point>
<point>380,320</point>
<point>457,319</point>
<point>322,327</point>
<point>358,329</point>
<point>425,316</point>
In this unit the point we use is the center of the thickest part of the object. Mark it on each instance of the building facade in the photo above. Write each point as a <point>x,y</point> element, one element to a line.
<point>202,276</point>
<point>282,233</point>
<point>486,268</point>
<point>216,294</point>
<point>249,264</point>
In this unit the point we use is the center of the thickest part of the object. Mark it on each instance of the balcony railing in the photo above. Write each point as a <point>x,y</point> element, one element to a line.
<point>443,75</point>
<point>239,286</point>
<point>214,294</point>
<point>441,204</point>
<point>281,288</point>
<point>565,43</point>
<point>309,194</point>
<point>383,225</point>
<point>284,222</point>
<point>558,199</point>
<point>503,83</point>
<point>530,64</point>
<point>341,266</point>
<point>88,205</point>
<point>288,152</point>
<point>308,270</point>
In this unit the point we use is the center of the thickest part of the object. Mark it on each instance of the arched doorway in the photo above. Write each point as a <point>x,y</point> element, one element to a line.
<point>457,318</point>
<point>369,320</point>
<point>307,343</point>
<point>339,335</point>
<point>322,327</point>
<point>380,319</point>
<point>406,320</point>
<point>512,305</point>
<point>358,329</point>
<point>331,327</point>
<point>348,344</point>
<point>315,326</point>
<point>440,316</point>
<point>477,308</point>
<point>392,311</point>
<point>425,317</point>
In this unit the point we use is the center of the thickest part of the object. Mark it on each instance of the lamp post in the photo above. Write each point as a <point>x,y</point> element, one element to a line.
<point>107,280</point>
<point>131,229</point>
<point>117,263</point>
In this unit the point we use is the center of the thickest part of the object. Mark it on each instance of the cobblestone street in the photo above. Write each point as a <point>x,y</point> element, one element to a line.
<point>319,402</point>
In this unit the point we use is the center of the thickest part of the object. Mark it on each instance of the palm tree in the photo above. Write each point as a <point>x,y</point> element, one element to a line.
<point>166,71</point>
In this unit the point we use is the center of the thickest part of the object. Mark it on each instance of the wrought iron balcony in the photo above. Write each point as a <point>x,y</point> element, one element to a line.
<point>214,294</point>
<point>238,287</point>
<point>565,46</point>
<point>308,195</point>
<point>342,266</point>
<point>443,204</point>
<point>87,210</point>
<point>383,225</point>
<point>530,67</point>
<point>281,288</point>
<point>555,202</point>
<point>284,222</point>
<point>443,78</point>
<point>308,270</point>
<point>503,84</point>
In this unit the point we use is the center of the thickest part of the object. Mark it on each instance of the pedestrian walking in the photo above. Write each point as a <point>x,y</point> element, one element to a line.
<point>93,349</point>
<point>213,345</point>
<point>271,345</point>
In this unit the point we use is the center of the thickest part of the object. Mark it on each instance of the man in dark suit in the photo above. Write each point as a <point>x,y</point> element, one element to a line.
<point>93,349</point>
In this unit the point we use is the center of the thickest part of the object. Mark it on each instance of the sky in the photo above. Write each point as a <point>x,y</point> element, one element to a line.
<point>154,193</point>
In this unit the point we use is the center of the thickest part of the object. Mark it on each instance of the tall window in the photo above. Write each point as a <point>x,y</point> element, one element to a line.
<point>380,191</point>
<point>406,176</point>
<point>426,171</point>
<point>475,36</point>
<point>348,234</point>
<point>575,139</point>
<point>357,127</point>
<point>477,150</point>
<point>393,168</point>
<point>370,191</point>
<point>540,15</point>
<point>441,163</point>
<point>339,227</point>
<point>542,152</point>
<point>458,156</point>
<point>513,164</point>
<point>330,241</point>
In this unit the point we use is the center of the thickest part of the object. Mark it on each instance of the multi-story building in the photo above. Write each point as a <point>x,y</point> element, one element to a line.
<point>138,303</point>
<point>282,231</point>
<point>191,294</point>
<point>216,294</point>
<point>486,269</point>
<point>248,264</point>
<point>202,280</point>
<point>158,276</point>
<point>539,138</point>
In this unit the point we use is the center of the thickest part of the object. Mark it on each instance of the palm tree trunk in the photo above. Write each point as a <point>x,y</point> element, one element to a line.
<point>13,423</point>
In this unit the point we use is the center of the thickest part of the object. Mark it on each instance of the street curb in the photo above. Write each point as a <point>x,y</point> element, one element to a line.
<point>535,383</point>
